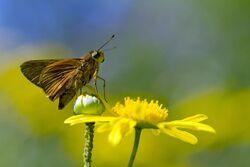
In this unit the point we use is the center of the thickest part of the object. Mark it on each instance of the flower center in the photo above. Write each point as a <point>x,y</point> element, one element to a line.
<point>142,111</point>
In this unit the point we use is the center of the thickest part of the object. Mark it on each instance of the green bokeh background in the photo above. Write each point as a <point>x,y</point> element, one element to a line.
<point>192,56</point>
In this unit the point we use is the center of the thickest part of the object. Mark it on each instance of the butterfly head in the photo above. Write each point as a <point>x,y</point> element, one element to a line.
<point>97,56</point>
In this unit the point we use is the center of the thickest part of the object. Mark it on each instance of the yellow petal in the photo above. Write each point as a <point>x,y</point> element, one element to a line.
<point>190,125</point>
<point>103,127</point>
<point>120,129</point>
<point>85,118</point>
<point>196,118</point>
<point>100,127</point>
<point>179,134</point>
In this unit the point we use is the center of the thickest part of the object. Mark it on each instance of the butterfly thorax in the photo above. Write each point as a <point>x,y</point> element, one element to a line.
<point>88,68</point>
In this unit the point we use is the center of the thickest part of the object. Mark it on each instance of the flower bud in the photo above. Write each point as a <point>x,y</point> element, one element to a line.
<point>89,105</point>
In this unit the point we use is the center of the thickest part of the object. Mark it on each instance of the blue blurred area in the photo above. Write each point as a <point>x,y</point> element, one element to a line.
<point>40,20</point>
<point>69,22</point>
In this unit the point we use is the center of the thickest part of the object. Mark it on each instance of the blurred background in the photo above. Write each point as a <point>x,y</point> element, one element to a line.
<point>192,56</point>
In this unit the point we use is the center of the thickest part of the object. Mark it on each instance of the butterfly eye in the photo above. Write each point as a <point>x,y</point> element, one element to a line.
<point>95,55</point>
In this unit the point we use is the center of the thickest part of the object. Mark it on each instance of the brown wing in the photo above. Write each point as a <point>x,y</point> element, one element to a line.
<point>33,68</point>
<point>66,97</point>
<point>57,76</point>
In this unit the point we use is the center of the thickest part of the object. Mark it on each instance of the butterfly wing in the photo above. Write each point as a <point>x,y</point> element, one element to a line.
<point>66,97</point>
<point>33,68</point>
<point>59,76</point>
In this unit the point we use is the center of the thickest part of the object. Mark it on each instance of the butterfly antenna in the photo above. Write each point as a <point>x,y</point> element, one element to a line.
<point>108,49</point>
<point>106,42</point>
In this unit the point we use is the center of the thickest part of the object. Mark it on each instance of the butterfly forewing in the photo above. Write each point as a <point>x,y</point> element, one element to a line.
<point>58,76</point>
<point>33,68</point>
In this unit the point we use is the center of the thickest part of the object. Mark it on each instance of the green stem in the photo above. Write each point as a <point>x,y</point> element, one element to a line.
<point>135,147</point>
<point>89,136</point>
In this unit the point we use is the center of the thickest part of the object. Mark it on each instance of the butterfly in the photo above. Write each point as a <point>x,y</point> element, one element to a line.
<point>63,78</point>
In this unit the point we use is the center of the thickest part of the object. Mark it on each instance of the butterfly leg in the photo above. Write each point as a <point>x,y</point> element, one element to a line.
<point>104,85</point>
<point>81,91</point>
<point>96,89</point>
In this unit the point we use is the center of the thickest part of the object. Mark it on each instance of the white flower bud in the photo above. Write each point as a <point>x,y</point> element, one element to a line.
<point>89,105</point>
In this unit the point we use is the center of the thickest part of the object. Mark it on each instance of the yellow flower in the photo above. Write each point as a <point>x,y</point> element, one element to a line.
<point>143,114</point>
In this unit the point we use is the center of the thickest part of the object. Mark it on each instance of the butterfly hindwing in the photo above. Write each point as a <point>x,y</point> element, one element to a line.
<point>66,97</point>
